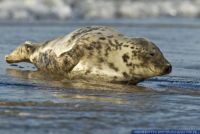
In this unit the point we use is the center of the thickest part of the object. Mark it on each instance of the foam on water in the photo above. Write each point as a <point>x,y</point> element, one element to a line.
<point>65,9</point>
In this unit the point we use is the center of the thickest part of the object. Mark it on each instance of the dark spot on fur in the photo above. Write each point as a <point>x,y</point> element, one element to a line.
<point>106,54</point>
<point>72,37</point>
<point>129,64</point>
<point>87,72</point>
<point>110,42</point>
<point>132,47</point>
<point>98,45</point>
<point>120,44</point>
<point>125,74</point>
<point>102,38</point>
<point>101,60</point>
<point>115,77</point>
<point>91,54</point>
<point>99,33</point>
<point>85,31</point>
<point>89,47</point>
<point>125,58</point>
<point>107,50</point>
<point>133,53</point>
<point>87,38</point>
<point>111,65</point>
<point>126,45</point>
<point>110,36</point>
<point>116,42</point>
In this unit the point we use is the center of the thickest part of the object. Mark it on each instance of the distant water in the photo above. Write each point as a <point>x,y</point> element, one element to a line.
<point>91,9</point>
<point>35,103</point>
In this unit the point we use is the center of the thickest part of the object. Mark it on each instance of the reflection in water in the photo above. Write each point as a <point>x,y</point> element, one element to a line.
<point>80,89</point>
<point>57,81</point>
<point>60,101</point>
<point>116,100</point>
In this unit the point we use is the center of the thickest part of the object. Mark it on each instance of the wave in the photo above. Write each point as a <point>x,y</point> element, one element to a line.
<point>96,9</point>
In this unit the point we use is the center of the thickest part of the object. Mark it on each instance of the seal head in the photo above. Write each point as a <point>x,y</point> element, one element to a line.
<point>21,53</point>
<point>146,59</point>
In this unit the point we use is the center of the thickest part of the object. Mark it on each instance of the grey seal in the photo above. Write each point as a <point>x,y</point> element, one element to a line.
<point>95,53</point>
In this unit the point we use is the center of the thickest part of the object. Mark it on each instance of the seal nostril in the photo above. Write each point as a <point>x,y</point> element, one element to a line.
<point>168,68</point>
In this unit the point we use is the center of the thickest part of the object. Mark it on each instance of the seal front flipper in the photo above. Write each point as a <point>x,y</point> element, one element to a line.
<point>68,60</point>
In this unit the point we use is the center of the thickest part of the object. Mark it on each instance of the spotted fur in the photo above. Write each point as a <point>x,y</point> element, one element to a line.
<point>97,53</point>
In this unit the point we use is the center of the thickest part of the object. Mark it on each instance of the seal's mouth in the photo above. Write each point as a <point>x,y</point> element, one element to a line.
<point>9,59</point>
<point>165,70</point>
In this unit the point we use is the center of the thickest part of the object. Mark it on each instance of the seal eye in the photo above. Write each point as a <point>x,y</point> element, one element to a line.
<point>152,54</point>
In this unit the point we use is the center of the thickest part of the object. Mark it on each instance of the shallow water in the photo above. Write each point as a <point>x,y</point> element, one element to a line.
<point>34,103</point>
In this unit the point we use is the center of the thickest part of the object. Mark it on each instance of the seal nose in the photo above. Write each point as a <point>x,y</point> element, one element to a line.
<point>6,57</point>
<point>168,69</point>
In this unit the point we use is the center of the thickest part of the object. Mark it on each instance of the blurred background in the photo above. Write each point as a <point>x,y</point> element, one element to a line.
<point>31,102</point>
<point>32,10</point>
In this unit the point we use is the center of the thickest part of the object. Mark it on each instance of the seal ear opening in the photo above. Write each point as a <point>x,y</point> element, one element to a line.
<point>29,47</point>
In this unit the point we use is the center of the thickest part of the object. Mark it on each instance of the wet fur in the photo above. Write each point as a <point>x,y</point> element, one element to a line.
<point>98,53</point>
